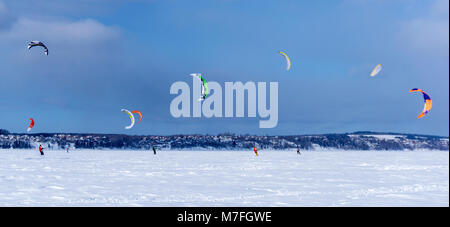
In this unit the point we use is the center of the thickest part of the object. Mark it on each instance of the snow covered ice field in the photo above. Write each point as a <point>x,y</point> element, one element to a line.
<point>223,178</point>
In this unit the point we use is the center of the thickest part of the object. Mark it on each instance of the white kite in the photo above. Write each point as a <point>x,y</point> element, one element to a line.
<point>376,70</point>
<point>131,118</point>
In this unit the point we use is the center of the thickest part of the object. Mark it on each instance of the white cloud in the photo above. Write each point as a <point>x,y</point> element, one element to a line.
<point>68,41</point>
<point>440,9</point>
<point>429,34</point>
<point>5,17</point>
<point>58,31</point>
<point>15,32</point>
<point>76,48</point>
<point>2,8</point>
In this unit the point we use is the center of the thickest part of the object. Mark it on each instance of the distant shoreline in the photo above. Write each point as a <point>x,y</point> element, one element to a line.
<point>220,134</point>
<point>227,141</point>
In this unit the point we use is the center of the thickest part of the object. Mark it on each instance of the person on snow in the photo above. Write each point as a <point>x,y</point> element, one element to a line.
<point>41,149</point>
<point>154,150</point>
<point>255,150</point>
<point>298,151</point>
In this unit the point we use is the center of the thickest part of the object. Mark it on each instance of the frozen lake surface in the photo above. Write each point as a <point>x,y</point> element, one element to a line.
<point>223,178</point>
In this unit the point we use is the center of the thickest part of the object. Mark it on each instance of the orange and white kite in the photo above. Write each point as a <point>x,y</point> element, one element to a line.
<point>31,125</point>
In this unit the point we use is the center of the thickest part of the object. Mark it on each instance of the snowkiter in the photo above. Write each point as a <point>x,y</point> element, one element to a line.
<point>255,150</point>
<point>41,149</point>
<point>154,150</point>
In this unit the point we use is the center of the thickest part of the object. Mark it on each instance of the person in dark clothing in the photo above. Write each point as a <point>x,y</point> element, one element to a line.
<point>41,149</point>
<point>154,150</point>
<point>298,151</point>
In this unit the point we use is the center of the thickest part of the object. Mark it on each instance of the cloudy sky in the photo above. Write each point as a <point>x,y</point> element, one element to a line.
<point>108,55</point>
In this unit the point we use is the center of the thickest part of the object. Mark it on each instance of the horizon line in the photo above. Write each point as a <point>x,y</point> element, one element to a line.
<point>229,133</point>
